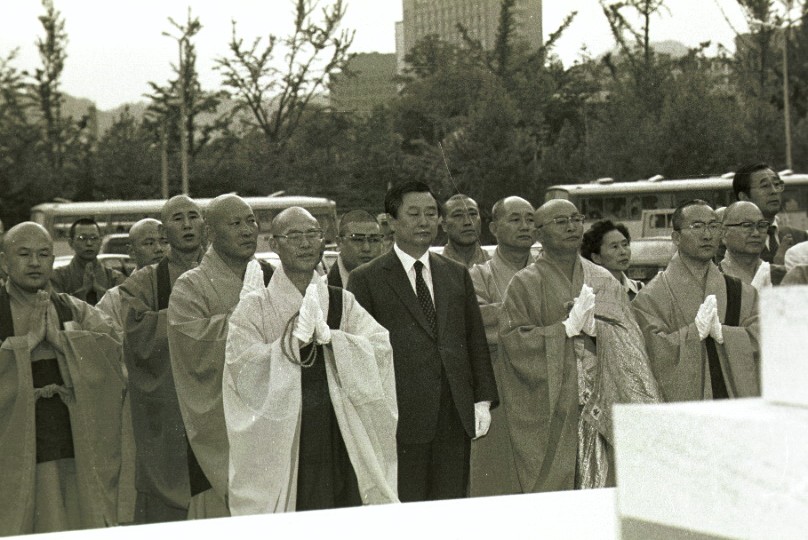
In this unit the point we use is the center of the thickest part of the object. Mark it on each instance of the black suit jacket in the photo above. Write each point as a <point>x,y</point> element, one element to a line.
<point>381,287</point>
<point>797,235</point>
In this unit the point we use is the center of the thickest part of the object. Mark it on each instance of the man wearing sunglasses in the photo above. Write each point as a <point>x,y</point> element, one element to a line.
<point>744,233</point>
<point>566,323</point>
<point>360,241</point>
<point>759,184</point>
<point>700,327</point>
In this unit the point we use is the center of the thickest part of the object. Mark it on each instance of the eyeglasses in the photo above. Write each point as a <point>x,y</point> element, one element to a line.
<point>575,219</point>
<point>749,226</point>
<point>93,238</point>
<point>700,226</point>
<point>775,185</point>
<point>360,239</point>
<point>297,237</point>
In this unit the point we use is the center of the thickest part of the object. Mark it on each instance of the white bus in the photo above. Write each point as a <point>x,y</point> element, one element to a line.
<point>646,206</point>
<point>118,216</point>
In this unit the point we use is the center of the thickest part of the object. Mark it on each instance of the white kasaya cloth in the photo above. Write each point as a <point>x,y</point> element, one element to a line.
<point>666,311</point>
<point>558,392</point>
<point>493,471</point>
<point>198,311</point>
<point>59,468</point>
<point>262,398</point>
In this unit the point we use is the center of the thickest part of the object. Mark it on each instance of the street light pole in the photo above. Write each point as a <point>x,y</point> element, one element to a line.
<point>786,103</point>
<point>183,134</point>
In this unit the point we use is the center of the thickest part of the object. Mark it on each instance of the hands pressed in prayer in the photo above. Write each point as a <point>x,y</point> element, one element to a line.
<point>52,327</point>
<point>761,277</point>
<point>785,243</point>
<point>582,314</point>
<point>311,321</point>
<point>253,279</point>
<point>707,318</point>
<point>37,320</point>
<point>482,418</point>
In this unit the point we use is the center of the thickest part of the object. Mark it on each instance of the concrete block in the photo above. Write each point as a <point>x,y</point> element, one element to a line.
<point>730,468</point>
<point>784,342</point>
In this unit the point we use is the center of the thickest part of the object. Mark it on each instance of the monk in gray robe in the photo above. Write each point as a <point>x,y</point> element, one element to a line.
<point>85,277</point>
<point>146,246</point>
<point>200,306</point>
<point>700,326</point>
<point>162,469</point>
<point>493,471</point>
<point>744,234</point>
<point>461,223</point>
<point>309,398</point>
<point>559,383</point>
<point>61,397</point>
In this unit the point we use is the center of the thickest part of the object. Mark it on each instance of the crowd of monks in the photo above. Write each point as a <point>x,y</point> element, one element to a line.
<point>210,383</point>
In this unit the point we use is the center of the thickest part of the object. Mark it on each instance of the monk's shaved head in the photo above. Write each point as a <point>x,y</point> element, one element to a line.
<point>232,227</point>
<point>25,230</point>
<point>553,208</point>
<point>746,209</point>
<point>222,207</point>
<point>143,227</point>
<point>174,204</point>
<point>293,214</point>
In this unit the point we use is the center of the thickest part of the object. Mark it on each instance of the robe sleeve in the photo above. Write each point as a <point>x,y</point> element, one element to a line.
<point>489,306</point>
<point>146,342</point>
<point>196,340</point>
<point>261,396</point>
<point>365,400</point>
<point>740,352</point>
<point>673,350</point>
<point>533,356</point>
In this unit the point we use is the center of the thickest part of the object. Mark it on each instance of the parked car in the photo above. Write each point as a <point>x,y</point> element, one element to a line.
<point>649,256</point>
<point>115,243</point>
<point>117,261</point>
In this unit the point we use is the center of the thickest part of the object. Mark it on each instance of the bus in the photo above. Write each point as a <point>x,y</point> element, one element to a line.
<point>646,206</point>
<point>118,216</point>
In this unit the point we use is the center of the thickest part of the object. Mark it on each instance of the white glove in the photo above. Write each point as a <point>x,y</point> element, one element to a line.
<point>707,314</point>
<point>310,312</point>
<point>582,314</point>
<point>763,276</point>
<point>482,418</point>
<point>253,279</point>
<point>715,329</point>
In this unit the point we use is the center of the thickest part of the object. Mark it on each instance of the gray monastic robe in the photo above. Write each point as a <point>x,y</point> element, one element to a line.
<point>493,471</point>
<point>262,398</point>
<point>90,367</point>
<point>666,310</point>
<point>201,303</point>
<point>479,257</point>
<point>558,391</point>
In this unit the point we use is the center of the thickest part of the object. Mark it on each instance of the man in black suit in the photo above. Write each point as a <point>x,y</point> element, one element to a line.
<point>759,183</point>
<point>359,241</point>
<point>444,381</point>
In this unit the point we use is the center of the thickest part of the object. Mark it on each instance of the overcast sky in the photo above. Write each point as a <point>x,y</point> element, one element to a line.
<point>116,46</point>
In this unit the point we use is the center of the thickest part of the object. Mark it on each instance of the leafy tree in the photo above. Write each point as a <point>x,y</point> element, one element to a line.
<point>127,161</point>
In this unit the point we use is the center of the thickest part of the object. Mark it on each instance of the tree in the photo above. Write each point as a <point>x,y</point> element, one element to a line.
<point>127,161</point>
<point>277,97</point>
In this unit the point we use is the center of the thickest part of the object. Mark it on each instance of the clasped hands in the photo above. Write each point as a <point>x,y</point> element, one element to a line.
<point>311,323</point>
<point>582,315</point>
<point>707,321</point>
<point>89,283</point>
<point>43,323</point>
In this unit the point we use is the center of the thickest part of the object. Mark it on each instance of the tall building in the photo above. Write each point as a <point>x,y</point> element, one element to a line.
<point>480,17</point>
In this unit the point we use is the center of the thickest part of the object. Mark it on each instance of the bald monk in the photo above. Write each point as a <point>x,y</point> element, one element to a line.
<point>162,469</point>
<point>61,396</point>
<point>744,236</point>
<point>199,308</point>
<point>570,349</point>
<point>701,327</point>
<point>493,471</point>
<point>332,424</point>
<point>147,245</point>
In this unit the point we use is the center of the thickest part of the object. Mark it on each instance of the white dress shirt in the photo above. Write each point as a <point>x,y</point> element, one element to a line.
<point>409,268</point>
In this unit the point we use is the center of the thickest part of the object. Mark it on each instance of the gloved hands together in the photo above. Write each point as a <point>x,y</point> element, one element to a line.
<point>482,418</point>
<point>311,323</point>
<point>762,276</point>
<point>253,279</point>
<point>582,314</point>
<point>707,321</point>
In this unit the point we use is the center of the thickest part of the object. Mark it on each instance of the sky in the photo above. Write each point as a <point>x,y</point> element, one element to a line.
<point>116,46</point>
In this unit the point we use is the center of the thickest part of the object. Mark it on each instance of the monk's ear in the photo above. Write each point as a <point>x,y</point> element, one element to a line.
<point>273,244</point>
<point>675,236</point>
<point>493,228</point>
<point>4,262</point>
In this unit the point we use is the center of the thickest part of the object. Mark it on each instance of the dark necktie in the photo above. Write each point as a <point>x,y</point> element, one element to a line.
<point>773,244</point>
<point>424,297</point>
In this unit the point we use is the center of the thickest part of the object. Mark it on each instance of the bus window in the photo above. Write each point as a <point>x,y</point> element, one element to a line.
<point>592,208</point>
<point>616,207</point>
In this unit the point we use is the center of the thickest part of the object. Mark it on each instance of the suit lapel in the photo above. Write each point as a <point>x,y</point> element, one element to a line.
<point>400,283</point>
<point>440,284</point>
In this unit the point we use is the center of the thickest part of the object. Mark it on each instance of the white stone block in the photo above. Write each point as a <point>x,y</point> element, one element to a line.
<point>731,468</point>
<point>784,343</point>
